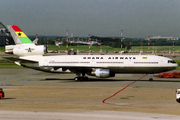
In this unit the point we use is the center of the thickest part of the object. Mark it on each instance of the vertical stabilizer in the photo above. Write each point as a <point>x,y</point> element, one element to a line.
<point>18,35</point>
<point>24,46</point>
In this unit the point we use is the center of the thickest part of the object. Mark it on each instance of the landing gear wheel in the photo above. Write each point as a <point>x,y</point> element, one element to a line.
<point>76,79</point>
<point>80,78</point>
<point>150,79</point>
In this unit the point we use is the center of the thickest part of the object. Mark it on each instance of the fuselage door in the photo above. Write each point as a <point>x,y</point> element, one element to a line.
<point>93,62</point>
<point>161,63</point>
<point>130,62</point>
<point>45,62</point>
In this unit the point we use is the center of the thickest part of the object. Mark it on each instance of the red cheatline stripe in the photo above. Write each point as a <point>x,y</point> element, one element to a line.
<point>121,90</point>
<point>16,28</point>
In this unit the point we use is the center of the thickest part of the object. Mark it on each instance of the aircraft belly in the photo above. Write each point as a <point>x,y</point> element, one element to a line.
<point>139,70</point>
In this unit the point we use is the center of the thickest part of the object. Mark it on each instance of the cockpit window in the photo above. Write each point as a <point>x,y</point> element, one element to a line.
<point>171,61</point>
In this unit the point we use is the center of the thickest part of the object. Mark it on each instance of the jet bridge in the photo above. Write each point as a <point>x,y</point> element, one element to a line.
<point>5,36</point>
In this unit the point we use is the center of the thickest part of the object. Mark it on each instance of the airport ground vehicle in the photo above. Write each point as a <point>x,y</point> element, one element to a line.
<point>168,75</point>
<point>178,95</point>
<point>1,93</point>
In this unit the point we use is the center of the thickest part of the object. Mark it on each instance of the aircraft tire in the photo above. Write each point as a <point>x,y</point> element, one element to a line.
<point>150,79</point>
<point>76,79</point>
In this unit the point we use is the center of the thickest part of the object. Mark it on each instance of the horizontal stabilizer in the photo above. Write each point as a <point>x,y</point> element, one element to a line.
<point>20,59</point>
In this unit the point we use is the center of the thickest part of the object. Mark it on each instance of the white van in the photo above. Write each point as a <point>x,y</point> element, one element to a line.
<point>178,95</point>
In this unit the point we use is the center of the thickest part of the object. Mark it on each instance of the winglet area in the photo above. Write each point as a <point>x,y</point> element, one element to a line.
<point>18,35</point>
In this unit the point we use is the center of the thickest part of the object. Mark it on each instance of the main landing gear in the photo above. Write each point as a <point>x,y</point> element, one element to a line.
<point>151,77</point>
<point>80,78</point>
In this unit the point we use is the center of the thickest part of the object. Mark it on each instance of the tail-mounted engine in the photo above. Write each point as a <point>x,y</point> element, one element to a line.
<point>25,50</point>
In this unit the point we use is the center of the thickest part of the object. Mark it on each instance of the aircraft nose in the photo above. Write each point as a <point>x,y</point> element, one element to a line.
<point>177,65</point>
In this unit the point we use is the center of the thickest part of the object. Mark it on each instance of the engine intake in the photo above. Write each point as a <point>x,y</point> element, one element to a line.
<point>103,73</point>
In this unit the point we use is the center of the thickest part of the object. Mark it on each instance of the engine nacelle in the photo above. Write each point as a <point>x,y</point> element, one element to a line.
<point>25,50</point>
<point>103,73</point>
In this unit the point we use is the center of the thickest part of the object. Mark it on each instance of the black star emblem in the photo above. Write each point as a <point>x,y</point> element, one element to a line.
<point>19,34</point>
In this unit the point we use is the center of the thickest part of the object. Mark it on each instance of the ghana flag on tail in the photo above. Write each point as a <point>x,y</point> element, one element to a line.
<point>24,39</point>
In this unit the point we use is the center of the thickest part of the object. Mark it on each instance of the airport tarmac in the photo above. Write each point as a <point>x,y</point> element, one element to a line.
<point>31,94</point>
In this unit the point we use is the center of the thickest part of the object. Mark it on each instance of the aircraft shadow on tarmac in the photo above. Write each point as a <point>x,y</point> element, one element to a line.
<point>7,98</point>
<point>89,80</point>
<point>155,80</point>
<point>109,80</point>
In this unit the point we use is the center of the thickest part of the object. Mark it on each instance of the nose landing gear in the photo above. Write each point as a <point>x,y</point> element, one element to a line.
<point>151,77</point>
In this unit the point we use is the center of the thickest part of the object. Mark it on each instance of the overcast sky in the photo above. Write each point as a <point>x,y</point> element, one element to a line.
<point>137,18</point>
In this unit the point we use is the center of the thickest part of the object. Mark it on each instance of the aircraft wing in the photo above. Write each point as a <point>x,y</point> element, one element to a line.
<point>79,69</point>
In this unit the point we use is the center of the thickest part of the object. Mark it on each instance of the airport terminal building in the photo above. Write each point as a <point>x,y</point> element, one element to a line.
<point>5,37</point>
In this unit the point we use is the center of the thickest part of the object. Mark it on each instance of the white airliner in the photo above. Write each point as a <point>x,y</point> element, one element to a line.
<point>102,66</point>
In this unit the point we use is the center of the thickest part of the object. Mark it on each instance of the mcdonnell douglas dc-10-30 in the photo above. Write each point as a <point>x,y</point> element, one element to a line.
<point>102,66</point>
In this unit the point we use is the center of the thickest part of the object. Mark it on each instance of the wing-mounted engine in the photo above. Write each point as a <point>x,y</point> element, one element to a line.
<point>25,50</point>
<point>102,73</point>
